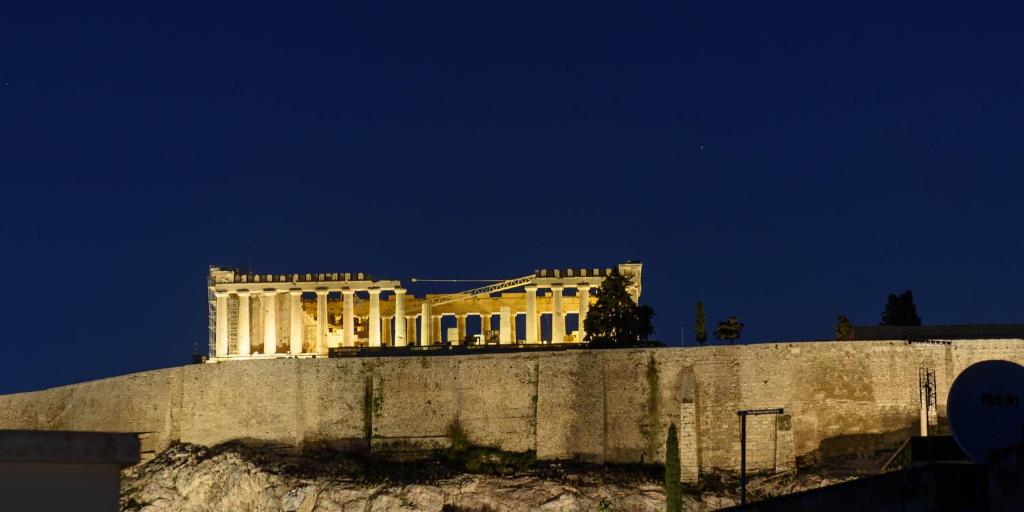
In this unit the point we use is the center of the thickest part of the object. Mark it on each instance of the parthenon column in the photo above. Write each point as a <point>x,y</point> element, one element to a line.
<point>531,313</point>
<point>460,324</point>
<point>435,332</point>
<point>349,319</point>
<point>425,336</point>
<point>221,335</point>
<point>374,317</point>
<point>321,320</point>
<point>295,321</point>
<point>244,341</point>
<point>400,323</point>
<point>269,301</point>
<point>505,326</point>
<point>583,294</point>
<point>410,330</point>
<point>485,326</point>
<point>385,331</point>
<point>557,316</point>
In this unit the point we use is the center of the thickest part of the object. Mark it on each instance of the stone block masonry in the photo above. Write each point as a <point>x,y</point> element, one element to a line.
<point>590,405</point>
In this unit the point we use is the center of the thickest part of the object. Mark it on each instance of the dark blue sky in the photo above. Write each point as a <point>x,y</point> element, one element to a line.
<point>782,162</point>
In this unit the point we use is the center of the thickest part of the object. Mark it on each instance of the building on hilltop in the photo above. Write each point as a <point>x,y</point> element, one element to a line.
<point>306,315</point>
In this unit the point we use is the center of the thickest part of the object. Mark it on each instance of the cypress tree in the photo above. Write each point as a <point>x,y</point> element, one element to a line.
<point>701,324</point>
<point>673,488</point>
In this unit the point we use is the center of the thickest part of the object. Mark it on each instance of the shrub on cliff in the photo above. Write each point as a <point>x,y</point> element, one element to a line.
<point>615,320</point>
<point>463,455</point>
<point>673,488</point>
<point>843,328</point>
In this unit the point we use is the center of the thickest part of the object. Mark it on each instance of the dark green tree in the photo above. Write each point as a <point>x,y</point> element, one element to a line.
<point>701,324</point>
<point>729,330</point>
<point>843,329</point>
<point>900,310</point>
<point>615,320</point>
<point>673,488</point>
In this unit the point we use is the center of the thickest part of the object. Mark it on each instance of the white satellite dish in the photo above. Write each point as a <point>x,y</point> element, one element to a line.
<point>985,409</point>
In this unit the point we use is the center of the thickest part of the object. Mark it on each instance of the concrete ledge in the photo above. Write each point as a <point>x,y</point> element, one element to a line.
<point>69,447</point>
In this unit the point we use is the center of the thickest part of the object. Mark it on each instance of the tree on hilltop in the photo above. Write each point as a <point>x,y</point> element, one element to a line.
<point>900,310</point>
<point>729,330</point>
<point>843,328</point>
<point>615,320</point>
<point>701,324</point>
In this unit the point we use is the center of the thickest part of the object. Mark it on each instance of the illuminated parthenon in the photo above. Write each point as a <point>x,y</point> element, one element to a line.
<point>305,315</point>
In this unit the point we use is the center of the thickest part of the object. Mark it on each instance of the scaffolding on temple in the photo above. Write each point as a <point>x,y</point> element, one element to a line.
<point>211,308</point>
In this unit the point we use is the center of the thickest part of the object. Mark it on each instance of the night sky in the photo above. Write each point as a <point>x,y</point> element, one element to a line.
<point>782,162</point>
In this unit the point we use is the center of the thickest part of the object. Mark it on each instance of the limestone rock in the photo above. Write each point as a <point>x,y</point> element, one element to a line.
<point>193,478</point>
<point>235,477</point>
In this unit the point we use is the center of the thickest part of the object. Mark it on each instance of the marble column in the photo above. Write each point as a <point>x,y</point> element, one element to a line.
<point>583,294</point>
<point>485,326</point>
<point>400,323</point>
<point>321,320</point>
<point>385,333</point>
<point>435,333</point>
<point>505,326</point>
<point>531,313</point>
<point>426,338</point>
<point>410,330</point>
<point>255,319</point>
<point>557,315</point>
<point>460,324</point>
<point>374,331</point>
<point>269,301</point>
<point>221,326</point>
<point>295,321</point>
<point>244,339</point>
<point>348,338</point>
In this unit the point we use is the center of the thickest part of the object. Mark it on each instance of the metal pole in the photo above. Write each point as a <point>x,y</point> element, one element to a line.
<point>743,459</point>
<point>743,445</point>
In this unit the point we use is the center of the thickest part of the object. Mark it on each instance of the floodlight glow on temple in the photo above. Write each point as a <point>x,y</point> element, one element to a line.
<point>255,316</point>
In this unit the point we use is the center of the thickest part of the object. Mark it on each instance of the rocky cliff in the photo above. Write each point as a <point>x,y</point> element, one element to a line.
<point>235,477</point>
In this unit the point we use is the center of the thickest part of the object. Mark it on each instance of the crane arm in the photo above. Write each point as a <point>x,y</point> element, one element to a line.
<point>491,288</point>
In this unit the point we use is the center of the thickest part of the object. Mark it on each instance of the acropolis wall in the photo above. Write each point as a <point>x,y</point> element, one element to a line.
<point>592,405</point>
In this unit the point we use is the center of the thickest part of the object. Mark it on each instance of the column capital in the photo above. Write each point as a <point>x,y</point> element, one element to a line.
<point>399,291</point>
<point>532,288</point>
<point>295,292</point>
<point>556,286</point>
<point>583,286</point>
<point>348,291</point>
<point>374,290</point>
<point>220,294</point>
<point>256,293</point>
<point>322,292</point>
<point>242,293</point>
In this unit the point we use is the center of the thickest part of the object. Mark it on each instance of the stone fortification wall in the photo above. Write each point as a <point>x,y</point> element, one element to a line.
<point>591,405</point>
